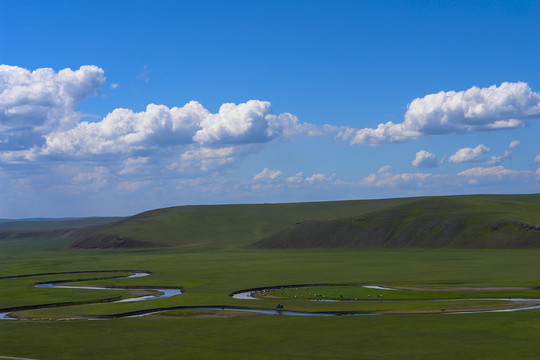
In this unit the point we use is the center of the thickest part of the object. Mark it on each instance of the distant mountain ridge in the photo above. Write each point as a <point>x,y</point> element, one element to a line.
<point>38,224</point>
<point>54,227</point>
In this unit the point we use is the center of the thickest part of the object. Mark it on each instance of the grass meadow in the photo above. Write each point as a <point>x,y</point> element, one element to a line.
<point>208,274</point>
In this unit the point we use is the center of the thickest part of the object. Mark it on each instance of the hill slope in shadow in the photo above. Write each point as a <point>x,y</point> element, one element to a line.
<point>456,222</point>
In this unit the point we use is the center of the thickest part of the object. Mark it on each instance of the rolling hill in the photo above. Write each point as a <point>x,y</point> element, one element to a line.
<point>455,222</point>
<point>480,221</point>
<point>230,225</point>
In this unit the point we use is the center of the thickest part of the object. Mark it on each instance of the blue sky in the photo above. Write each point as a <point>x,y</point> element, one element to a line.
<point>112,108</point>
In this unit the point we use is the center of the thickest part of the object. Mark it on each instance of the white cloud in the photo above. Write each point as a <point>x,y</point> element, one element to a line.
<point>317,178</point>
<point>385,178</point>
<point>35,103</point>
<point>275,177</point>
<point>38,122</point>
<point>115,86</point>
<point>207,159</point>
<point>383,134</point>
<point>267,174</point>
<point>476,109</point>
<point>537,158</point>
<point>469,154</point>
<point>494,171</point>
<point>159,129</point>
<point>250,122</point>
<point>514,144</point>
<point>384,169</point>
<point>506,155</point>
<point>159,140</point>
<point>296,179</point>
<point>124,132</point>
<point>494,160</point>
<point>425,159</point>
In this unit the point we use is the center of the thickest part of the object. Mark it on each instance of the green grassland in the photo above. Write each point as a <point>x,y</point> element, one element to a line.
<point>225,225</point>
<point>458,222</point>
<point>219,260</point>
<point>355,292</point>
<point>509,221</point>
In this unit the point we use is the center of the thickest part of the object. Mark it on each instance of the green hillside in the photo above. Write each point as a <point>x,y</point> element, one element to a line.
<point>490,221</point>
<point>458,222</point>
<point>221,224</point>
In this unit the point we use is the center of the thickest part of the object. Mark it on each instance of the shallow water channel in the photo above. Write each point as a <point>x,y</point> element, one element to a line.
<point>249,295</point>
<point>241,295</point>
<point>161,292</point>
<point>164,293</point>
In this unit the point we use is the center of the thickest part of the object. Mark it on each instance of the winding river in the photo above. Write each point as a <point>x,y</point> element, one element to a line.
<point>247,294</point>
<point>161,293</point>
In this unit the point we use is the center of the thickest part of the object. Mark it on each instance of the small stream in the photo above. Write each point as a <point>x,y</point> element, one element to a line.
<point>244,295</point>
<point>249,295</point>
<point>161,292</point>
<point>164,293</point>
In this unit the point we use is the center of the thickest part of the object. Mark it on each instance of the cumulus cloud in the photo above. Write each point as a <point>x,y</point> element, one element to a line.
<point>386,178</point>
<point>537,158</point>
<point>276,178</point>
<point>141,151</point>
<point>250,122</point>
<point>494,160</point>
<point>159,128</point>
<point>124,131</point>
<point>297,178</point>
<point>513,144</point>
<point>508,152</point>
<point>38,121</point>
<point>425,159</point>
<point>319,178</point>
<point>206,159</point>
<point>267,174</point>
<point>468,154</point>
<point>33,103</point>
<point>494,171</point>
<point>506,155</point>
<point>497,173</point>
<point>476,109</point>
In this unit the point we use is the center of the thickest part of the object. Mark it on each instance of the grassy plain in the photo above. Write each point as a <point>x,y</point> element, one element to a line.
<point>210,271</point>
<point>210,274</point>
